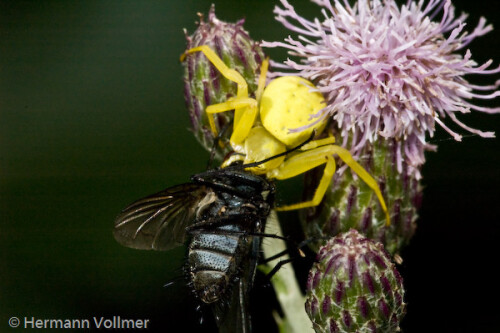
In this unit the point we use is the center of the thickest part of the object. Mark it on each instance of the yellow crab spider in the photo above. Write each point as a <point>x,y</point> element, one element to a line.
<point>261,130</point>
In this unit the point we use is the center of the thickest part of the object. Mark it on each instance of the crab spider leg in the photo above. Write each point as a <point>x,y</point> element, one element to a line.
<point>310,159</point>
<point>262,78</point>
<point>227,72</point>
<point>246,121</point>
<point>318,143</point>
<point>231,75</point>
<point>320,191</point>
<point>231,104</point>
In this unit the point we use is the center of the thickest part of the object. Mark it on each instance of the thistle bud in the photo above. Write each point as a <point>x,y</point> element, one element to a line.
<point>350,203</point>
<point>354,287</point>
<point>205,85</point>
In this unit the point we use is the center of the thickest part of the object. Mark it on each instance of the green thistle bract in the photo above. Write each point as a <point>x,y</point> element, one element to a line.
<point>204,85</point>
<point>354,287</point>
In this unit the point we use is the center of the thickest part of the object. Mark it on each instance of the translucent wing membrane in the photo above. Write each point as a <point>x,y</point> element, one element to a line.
<point>231,312</point>
<point>159,221</point>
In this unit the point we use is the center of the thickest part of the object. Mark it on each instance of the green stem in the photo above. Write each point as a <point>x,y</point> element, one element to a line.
<point>285,283</point>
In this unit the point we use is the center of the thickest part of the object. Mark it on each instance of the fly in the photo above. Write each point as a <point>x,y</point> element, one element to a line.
<point>222,212</point>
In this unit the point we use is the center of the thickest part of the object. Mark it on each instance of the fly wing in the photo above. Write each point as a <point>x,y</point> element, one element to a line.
<point>159,221</point>
<point>232,313</point>
<point>234,316</point>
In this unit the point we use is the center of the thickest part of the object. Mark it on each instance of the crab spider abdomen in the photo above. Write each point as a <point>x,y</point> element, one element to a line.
<point>290,102</point>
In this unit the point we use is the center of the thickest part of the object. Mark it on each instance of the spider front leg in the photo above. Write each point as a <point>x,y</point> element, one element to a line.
<point>245,112</point>
<point>227,72</point>
<point>245,122</point>
<point>316,156</point>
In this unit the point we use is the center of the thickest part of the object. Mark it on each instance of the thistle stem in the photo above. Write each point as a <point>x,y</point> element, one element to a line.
<point>285,283</point>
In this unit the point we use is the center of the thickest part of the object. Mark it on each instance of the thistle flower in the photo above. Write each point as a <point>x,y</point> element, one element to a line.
<point>389,71</point>
<point>354,287</point>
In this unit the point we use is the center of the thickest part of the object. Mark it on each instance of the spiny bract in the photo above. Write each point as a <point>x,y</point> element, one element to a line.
<point>354,287</point>
<point>203,83</point>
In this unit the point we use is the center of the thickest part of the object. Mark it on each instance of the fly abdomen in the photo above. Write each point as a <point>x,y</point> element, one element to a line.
<point>209,285</point>
<point>211,272</point>
<point>226,244</point>
<point>212,264</point>
<point>209,260</point>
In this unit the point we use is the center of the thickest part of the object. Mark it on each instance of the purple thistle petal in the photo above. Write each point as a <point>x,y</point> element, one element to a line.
<point>388,70</point>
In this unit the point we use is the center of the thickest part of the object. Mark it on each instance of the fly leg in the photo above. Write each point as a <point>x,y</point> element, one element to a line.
<point>301,254</point>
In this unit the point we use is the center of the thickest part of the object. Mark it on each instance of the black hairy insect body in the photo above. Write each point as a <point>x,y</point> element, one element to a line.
<point>221,214</point>
<point>222,238</point>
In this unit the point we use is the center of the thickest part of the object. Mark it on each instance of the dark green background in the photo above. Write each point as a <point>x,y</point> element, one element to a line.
<point>92,117</point>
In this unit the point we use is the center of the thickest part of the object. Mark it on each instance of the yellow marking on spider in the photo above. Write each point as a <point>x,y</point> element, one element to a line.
<point>289,102</point>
